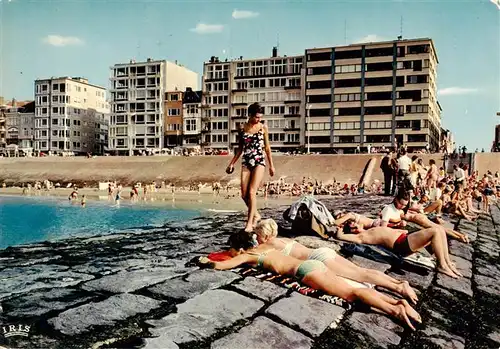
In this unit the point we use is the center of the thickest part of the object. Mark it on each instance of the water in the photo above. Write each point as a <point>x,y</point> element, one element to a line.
<point>27,220</point>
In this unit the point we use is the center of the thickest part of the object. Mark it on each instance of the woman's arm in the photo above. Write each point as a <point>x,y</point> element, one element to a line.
<point>229,264</point>
<point>238,151</point>
<point>267,148</point>
<point>344,218</point>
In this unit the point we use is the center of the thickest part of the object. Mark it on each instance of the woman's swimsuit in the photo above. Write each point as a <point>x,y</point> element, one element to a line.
<point>304,268</point>
<point>322,254</point>
<point>253,143</point>
<point>288,248</point>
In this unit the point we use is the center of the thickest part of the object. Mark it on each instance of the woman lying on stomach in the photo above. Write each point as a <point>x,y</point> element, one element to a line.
<point>267,231</point>
<point>312,273</point>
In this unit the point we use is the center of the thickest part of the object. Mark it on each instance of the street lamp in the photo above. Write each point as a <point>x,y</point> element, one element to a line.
<point>308,128</point>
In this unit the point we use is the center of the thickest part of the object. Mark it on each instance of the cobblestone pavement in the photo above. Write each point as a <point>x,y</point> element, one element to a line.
<point>136,290</point>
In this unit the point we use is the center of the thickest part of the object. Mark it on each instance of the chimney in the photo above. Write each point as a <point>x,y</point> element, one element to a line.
<point>14,103</point>
<point>275,52</point>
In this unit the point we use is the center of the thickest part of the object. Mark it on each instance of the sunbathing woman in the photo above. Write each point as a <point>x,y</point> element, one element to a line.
<point>312,273</point>
<point>267,230</point>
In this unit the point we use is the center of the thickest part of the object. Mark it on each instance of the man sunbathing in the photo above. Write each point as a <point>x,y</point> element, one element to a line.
<point>312,273</point>
<point>267,231</point>
<point>402,243</point>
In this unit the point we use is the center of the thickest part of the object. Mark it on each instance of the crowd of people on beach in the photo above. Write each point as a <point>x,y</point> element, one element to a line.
<point>422,195</point>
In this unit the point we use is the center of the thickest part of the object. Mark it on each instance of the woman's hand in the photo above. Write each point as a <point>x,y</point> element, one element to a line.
<point>271,171</point>
<point>230,169</point>
<point>204,262</point>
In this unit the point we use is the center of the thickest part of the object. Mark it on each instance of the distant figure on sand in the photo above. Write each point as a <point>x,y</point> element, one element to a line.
<point>253,142</point>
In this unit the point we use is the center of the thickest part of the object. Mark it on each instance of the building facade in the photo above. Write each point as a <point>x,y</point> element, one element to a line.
<point>378,94</point>
<point>173,112</point>
<point>69,112</point>
<point>138,91</point>
<point>3,131</point>
<point>20,124</point>
<point>192,131</point>
<point>230,86</point>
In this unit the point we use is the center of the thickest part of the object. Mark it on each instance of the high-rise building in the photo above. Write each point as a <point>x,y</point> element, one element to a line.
<point>69,112</point>
<point>230,86</point>
<point>3,131</point>
<point>138,91</point>
<point>378,94</point>
<point>173,118</point>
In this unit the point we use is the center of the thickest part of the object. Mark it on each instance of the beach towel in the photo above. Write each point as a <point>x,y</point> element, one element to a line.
<point>219,256</point>
<point>292,283</point>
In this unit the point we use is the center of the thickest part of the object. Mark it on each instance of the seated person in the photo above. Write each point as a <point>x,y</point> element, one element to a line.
<point>267,231</point>
<point>312,273</point>
<point>402,243</point>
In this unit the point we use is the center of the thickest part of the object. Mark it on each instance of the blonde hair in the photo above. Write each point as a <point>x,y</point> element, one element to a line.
<point>267,228</point>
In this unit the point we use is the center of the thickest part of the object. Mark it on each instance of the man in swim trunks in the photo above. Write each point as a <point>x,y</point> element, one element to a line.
<point>402,243</point>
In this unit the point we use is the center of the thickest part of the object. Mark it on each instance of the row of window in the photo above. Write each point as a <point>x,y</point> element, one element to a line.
<point>173,112</point>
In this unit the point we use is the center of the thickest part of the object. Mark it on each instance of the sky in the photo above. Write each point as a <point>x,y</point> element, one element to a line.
<point>44,38</point>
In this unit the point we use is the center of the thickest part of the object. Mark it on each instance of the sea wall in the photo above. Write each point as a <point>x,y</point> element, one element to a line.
<point>184,170</point>
<point>487,161</point>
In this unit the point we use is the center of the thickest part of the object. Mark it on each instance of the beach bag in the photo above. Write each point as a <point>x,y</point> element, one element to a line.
<point>305,223</point>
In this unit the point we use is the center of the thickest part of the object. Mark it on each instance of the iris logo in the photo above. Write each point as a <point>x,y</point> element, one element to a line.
<point>15,330</point>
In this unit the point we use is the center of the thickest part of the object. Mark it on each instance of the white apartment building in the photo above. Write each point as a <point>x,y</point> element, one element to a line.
<point>68,113</point>
<point>230,86</point>
<point>138,92</point>
<point>191,105</point>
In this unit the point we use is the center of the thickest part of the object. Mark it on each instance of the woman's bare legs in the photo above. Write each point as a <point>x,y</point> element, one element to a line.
<point>330,283</point>
<point>256,177</point>
<point>435,206</point>
<point>433,236</point>
<point>345,268</point>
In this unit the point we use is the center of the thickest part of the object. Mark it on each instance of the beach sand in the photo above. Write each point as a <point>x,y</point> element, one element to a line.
<point>182,199</point>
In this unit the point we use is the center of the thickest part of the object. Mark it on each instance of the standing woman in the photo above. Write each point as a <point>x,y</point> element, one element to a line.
<point>253,141</point>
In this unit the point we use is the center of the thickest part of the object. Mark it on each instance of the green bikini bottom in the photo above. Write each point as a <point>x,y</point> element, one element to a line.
<point>307,266</point>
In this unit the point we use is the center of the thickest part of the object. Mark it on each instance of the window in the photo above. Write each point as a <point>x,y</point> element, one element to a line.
<point>276,110</point>
<point>351,68</point>
<point>416,108</point>
<point>190,125</point>
<point>174,112</point>
<point>174,97</point>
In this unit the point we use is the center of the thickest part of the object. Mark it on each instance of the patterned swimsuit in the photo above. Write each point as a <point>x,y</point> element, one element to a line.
<point>253,155</point>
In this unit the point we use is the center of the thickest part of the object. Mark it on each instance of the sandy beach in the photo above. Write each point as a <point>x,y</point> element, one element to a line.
<point>183,199</point>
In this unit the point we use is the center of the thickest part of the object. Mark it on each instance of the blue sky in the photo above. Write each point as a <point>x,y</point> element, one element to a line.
<point>43,38</point>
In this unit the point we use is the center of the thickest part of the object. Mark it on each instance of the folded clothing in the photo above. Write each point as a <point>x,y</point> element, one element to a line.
<point>219,256</point>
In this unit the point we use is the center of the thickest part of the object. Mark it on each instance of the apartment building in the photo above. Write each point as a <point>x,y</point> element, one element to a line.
<point>191,113</point>
<point>3,132</point>
<point>70,114</point>
<point>381,93</point>
<point>138,91</point>
<point>230,86</point>
<point>20,124</point>
<point>173,112</point>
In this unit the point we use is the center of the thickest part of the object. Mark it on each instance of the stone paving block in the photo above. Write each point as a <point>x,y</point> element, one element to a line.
<point>463,266</point>
<point>311,315</point>
<point>202,316</point>
<point>107,312</point>
<point>264,333</point>
<point>159,343</point>
<point>376,327</point>
<point>21,280</point>
<point>488,249</point>
<point>195,284</point>
<point>263,290</point>
<point>41,302</point>
<point>129,281</point>
<point>495,336</point>
<point>443,339</point>
<point>462,285</point>
<point>461,249</point>
<point>369,263</point>
<point>421,280</point>
<point>489,270</point>
<point>488,284</point>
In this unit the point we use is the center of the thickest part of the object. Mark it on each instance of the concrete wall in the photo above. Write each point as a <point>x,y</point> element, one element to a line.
<point>487,161</point>
<point>182,170</point>
<point>179,77</point>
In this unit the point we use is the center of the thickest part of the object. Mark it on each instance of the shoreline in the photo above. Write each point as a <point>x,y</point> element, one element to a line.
<point>230,202</point>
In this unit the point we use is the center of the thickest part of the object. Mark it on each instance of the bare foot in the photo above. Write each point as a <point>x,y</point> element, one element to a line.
<point>400,313</point>
<point>410,311</point>
<point>409,292</point>
<point>256,218</point>
<point>447,271</point>
<point>454,269</point>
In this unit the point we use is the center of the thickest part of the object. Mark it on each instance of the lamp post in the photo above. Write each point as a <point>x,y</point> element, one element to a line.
<point>308,128</point>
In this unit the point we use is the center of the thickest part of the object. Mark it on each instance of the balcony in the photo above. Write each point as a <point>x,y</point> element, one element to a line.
<point>238,117</point>
<point>205,130</point>
<point>290,101</point>
<point>291,129</point>
<point>236,90</point>
<point>291,115</point>
<point>288,88</point>
<point>205,118</point>
<point>239,104</point>
<point>291,142</point>
<point>205,106</point>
